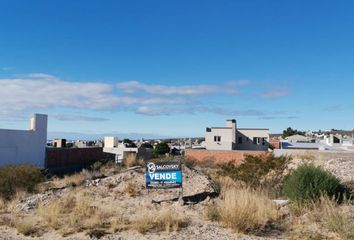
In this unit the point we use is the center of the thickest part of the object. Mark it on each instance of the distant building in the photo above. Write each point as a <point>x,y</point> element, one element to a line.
<point>59,143</point>
<point>25,146</point>
<point>85,144</point>
<point>111,145</point>
<point>326,142</point>
<point>233,138</point>
<point>300,139</point>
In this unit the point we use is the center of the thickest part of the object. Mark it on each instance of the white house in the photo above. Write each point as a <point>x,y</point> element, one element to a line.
<point>233,138</point>
<point>25,146</point>
<point>252,139</point>
<point>111,145</point>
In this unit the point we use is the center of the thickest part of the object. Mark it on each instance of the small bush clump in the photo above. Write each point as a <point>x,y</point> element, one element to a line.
<point>26,227</point>
<point>254,169</point>
<point>18,178</point>
<point>74,180</point>
<point>309,182</point>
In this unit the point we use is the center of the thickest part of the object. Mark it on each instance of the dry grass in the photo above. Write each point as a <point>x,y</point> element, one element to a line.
<point>12,205</point>
<point>53,212</point>
<point>333,217</point>
<point>26,227</point>
<point>119,221</point>
<point>131,190</point>
<point>244,210</point>
<point>167,219</point>
<point>131,160</point>
<point>78,213</point>
<point>110,168</point>
<point>73,213</point>
<point>308,156</point>
<point>226,182</point>
<point>74,180</point>
<point>3,205</point>
<point>324,218</point>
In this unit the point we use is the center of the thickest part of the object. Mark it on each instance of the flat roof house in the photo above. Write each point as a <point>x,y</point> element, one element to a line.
<point>233,138</point>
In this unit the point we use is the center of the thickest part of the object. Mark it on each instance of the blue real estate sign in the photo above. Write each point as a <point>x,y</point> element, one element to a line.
<point>163,175</point>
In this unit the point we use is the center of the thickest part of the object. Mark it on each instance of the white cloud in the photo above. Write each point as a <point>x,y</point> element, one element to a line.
<point>237,83</point>
<point>158,100</point>
<point>275,93</point>
<point>154,111</point>
<point>184,90</point>
<point>42,91</point>
<point>151,111</point>
<point>23,94</point>
<point>38,75</point>
<point>70,117</point>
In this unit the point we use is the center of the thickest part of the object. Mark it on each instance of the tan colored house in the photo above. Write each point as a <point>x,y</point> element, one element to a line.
<point>233,138</point>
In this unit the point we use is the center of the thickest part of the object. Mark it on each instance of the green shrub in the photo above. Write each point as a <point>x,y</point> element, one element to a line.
<point>161,148</point>
<point>309,182</point>
<point>254,169</point>
<point>20,177</point>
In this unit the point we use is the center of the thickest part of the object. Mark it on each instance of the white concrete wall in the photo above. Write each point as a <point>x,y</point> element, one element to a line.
<point>226,142</point>
<point>247,139</point>
<point>110,142</point>
<point>25,146</point>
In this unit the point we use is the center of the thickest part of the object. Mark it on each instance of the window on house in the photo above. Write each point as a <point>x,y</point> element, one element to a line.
<point>258,140</point>
<point>240,140</point>
<point>217,138</point>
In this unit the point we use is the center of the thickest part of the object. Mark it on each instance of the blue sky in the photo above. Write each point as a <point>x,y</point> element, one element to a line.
<point>172,68</point>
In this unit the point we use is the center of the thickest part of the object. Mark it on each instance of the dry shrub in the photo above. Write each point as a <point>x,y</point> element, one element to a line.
<point>74,180</point>
<point>7,220</point>
<point>3,205</point>
<point>130,190</point>
<point>110,168</point>
<point>190,162</point>
<point>26,227</point>
<point>254,170</point>
<point>244,210</point>
<point>131,160</point>
<point>167,219</point>
<point>18,178</point>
